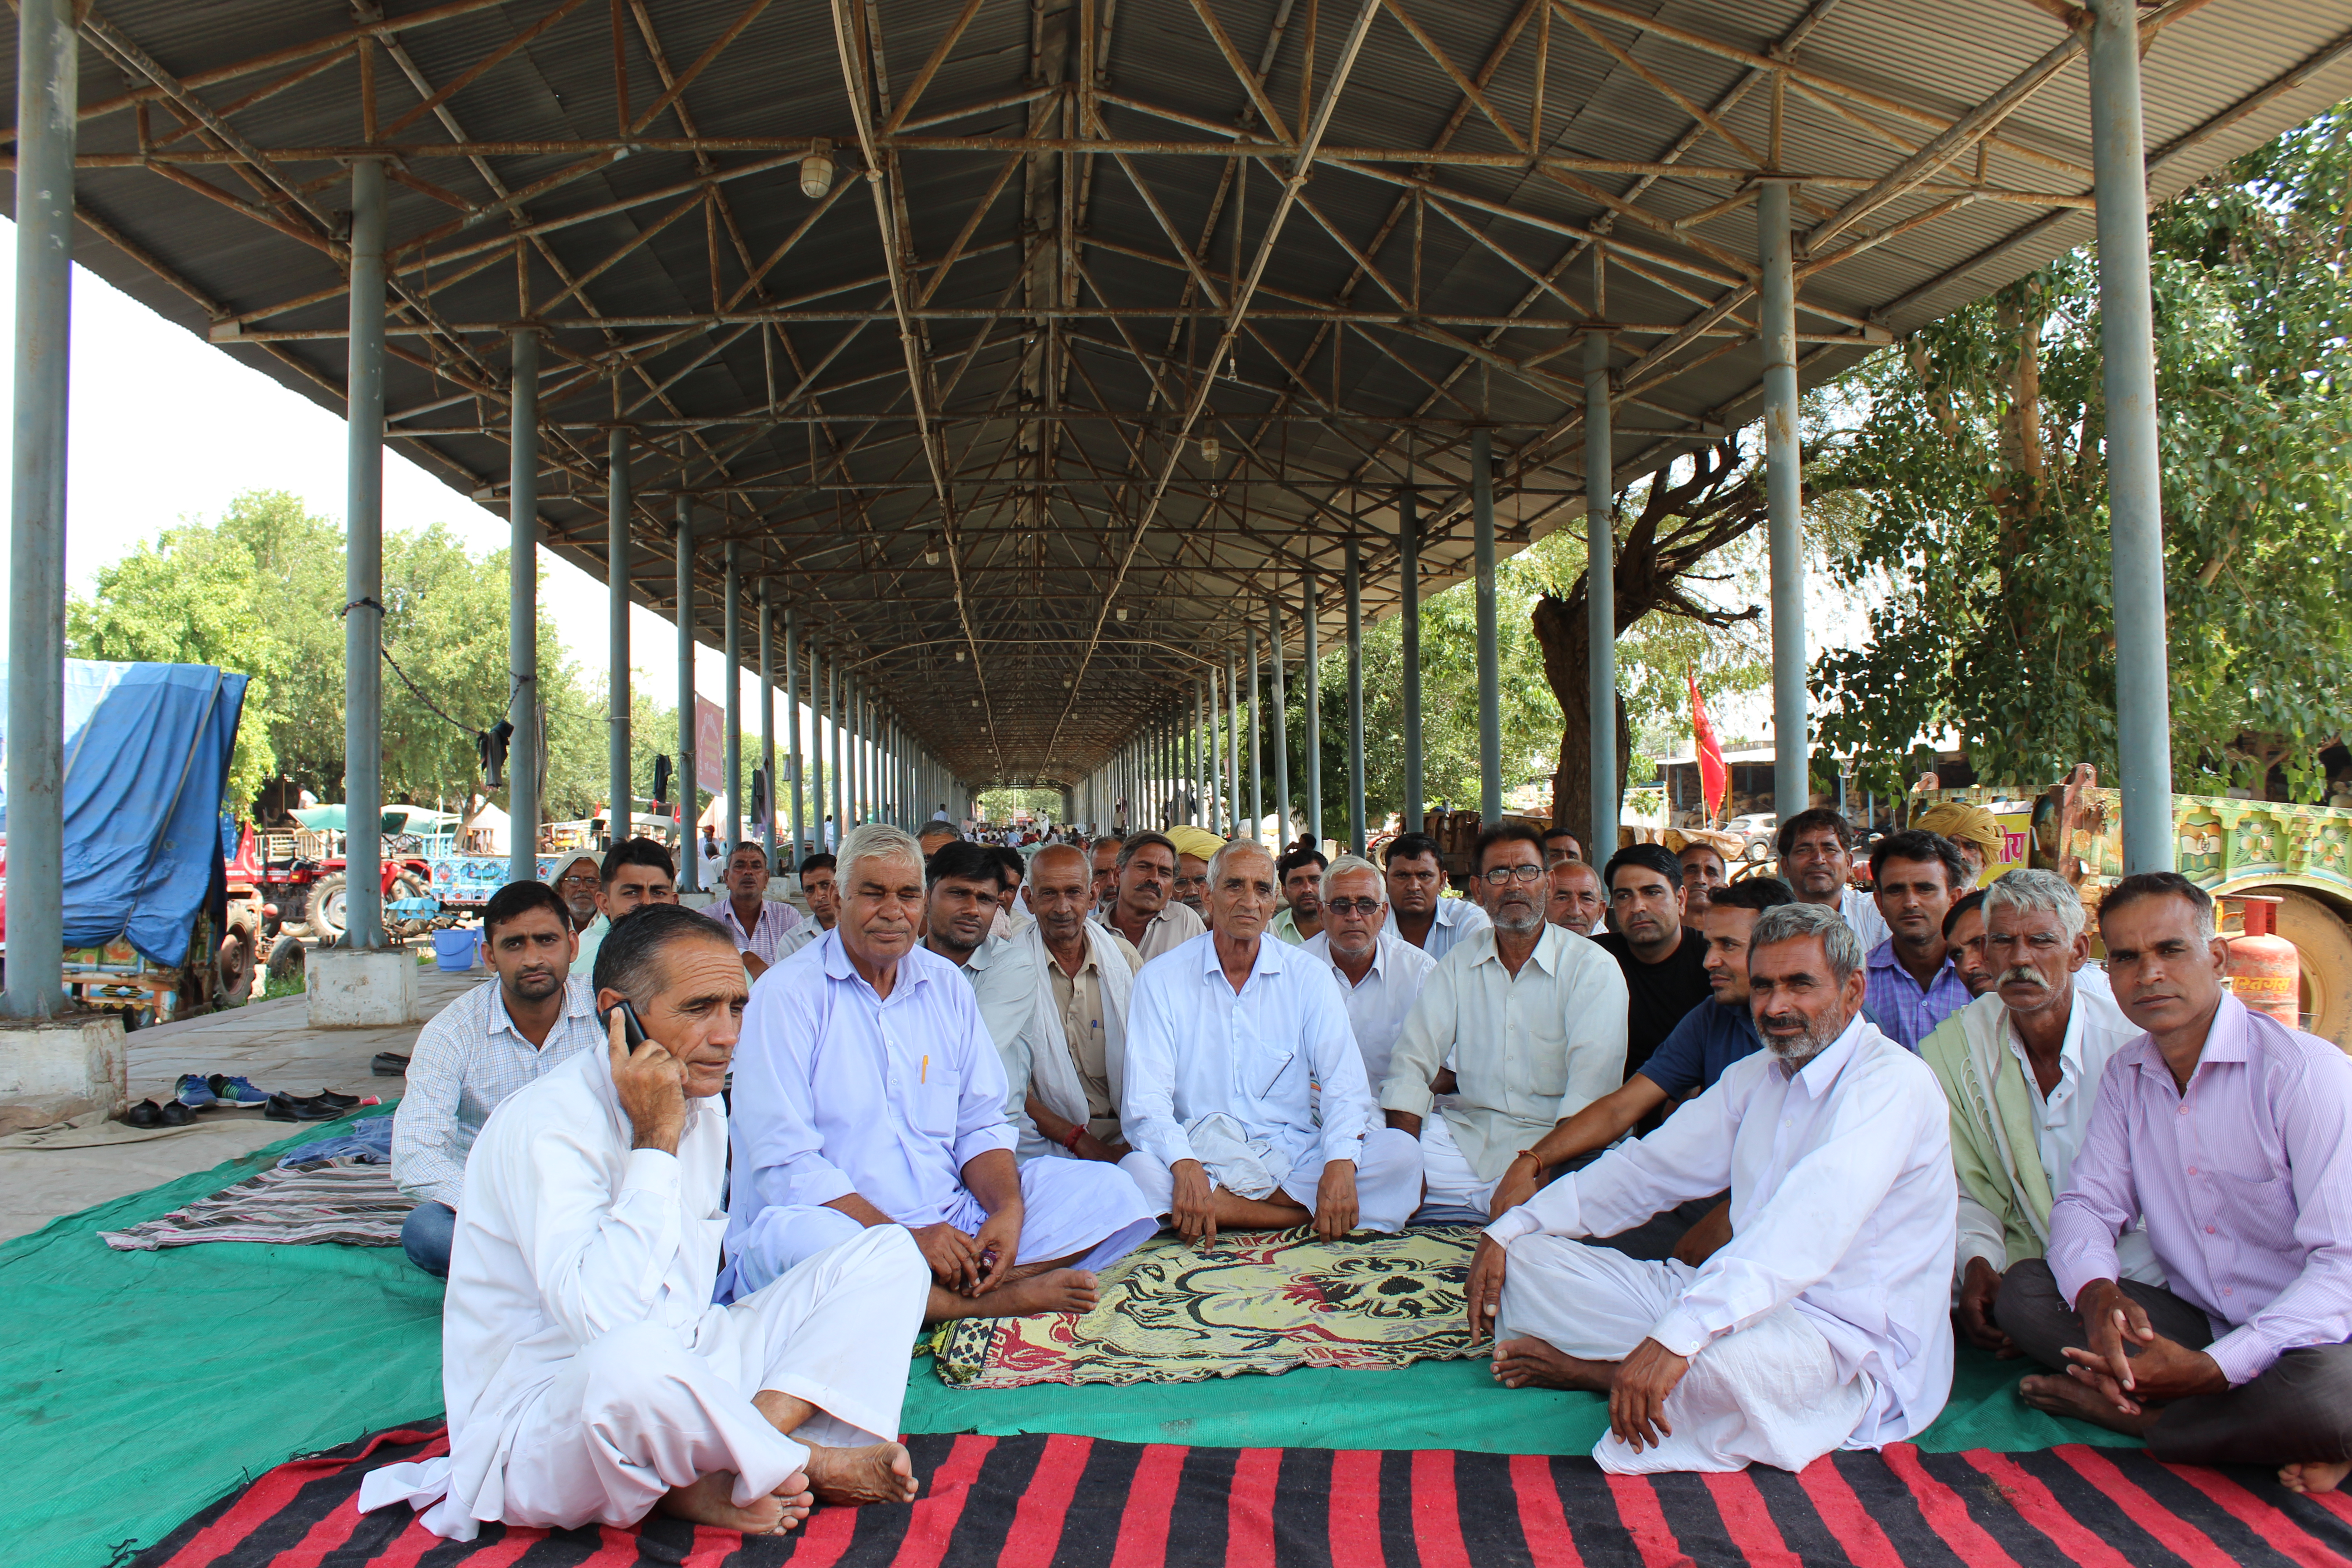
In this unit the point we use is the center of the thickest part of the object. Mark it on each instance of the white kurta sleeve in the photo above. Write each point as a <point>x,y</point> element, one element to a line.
<point>597,1254</point>
<point>773,1111</point>
<point>980,1123</point>
<point>1346,1099</point>
<point>1595,1022</point>
<point>1982,1235</point>
<point>1813,1215</point>
<point>1689,1157</point>
<point>1422,1046</point>
<point>1147,1109</point>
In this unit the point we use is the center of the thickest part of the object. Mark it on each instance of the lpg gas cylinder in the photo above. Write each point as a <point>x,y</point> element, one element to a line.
<point>2264,970</point>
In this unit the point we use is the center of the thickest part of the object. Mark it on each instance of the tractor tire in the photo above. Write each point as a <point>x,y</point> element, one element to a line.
<point>199,978</point>
<point>326,911</point>
<point>288,957</point>
<point>234,966</point>
<point>2321,937</point>
<point>409,885</point>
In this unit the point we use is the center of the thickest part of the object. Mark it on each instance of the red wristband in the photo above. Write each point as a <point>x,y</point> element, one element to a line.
<point>1078,1130</point>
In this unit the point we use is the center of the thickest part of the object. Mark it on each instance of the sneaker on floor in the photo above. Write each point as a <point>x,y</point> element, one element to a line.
<point>238,1092</point>
<point>195,1093</point>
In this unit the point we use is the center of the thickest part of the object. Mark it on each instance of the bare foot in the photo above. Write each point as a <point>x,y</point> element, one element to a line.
<point>882,1473</point>
<point>2061,1395</point>
<point>710,1500</point>
<point>1529,1363</point>
<point>2315,1475</point>
<point>1056,1290</point>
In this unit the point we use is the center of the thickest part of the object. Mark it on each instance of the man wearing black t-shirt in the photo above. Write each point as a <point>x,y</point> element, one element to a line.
<point>1664,963</point>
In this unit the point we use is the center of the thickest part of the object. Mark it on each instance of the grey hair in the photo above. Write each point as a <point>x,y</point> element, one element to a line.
<point>1029,874</point>
<point>878,841</point>
<point>2027,891</point>
<point>1346,864</point>
<point>1791,923</point>
<point>1236,847</point>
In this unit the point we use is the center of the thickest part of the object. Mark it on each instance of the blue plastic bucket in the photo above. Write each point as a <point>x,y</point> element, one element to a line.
<point>455,952</point>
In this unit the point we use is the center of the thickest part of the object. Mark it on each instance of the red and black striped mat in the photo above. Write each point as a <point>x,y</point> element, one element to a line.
<point>1075,1503</point>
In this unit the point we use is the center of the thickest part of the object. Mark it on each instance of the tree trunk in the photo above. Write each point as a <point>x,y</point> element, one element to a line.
<point>1561,631</point>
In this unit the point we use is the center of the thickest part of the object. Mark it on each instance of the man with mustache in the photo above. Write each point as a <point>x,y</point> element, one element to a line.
<point>2021,1067</point>
<point>1531,1020</point>
<point>1664,959</point>
<point>1964,935</point>
<point>1151,921</point>
<point>2231,1134</point>
<point>1301,875</point>
<point>508,1031</point>
<point>1824,1323</point>
<point>1816,850</point>
<point>1066,1061</point>
<point>1577,900</point>
<point>1912,986</point>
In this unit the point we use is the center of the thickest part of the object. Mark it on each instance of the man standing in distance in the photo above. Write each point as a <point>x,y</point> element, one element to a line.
<point>2232,1136</point>
<point>1913,986</point>
<point>1825,1321</point>
<point>1246,1094</point>
<point>1816,849</point>
<point>1664,961</point>
<point>869,1093</point>
<point>1419,910</point>
<point>1300,875</point>
<point>1145,915</point>
<point>1531,1021</point>
<point>1379,975</point>
<point>1577,902</point>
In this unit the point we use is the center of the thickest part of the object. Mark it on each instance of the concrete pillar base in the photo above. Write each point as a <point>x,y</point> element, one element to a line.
<point>354,989</point>
<point>55,1070</point>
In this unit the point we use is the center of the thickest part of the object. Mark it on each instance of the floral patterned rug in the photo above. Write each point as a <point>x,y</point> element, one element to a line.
<point>1258,1301</point>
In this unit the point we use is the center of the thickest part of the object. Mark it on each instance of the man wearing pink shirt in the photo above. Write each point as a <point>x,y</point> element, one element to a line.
<point>2231,1134</point>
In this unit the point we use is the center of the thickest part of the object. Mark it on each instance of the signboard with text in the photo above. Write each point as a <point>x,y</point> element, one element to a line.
<point>709,744</point>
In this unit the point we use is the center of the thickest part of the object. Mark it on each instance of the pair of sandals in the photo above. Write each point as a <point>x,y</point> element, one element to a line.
<point>147,1113</point>
<point>323,1106</point>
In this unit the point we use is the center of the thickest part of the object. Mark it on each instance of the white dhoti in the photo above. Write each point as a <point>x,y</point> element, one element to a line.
<point>1768,1393</point>
<point>1451,1189</point>
<point>1085,1210</point>
<point>1387,1176</point>
<point>639,1410</point>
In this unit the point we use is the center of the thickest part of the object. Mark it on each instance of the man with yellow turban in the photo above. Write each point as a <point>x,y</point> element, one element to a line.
<point>1195,846</point>
<point>1971,830</point>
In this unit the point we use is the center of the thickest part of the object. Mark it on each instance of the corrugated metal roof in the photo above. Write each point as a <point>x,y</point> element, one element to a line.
<point>793,437</point>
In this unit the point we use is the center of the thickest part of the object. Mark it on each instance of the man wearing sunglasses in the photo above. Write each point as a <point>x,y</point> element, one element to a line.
<point>1380,974</point>
<point>1530,1017</point>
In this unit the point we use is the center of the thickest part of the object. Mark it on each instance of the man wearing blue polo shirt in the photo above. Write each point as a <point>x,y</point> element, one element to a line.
<point>1711,1036</point>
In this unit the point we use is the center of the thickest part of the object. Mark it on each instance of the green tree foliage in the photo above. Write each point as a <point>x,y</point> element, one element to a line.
<point>259,591</point>
<point>1977,450</point>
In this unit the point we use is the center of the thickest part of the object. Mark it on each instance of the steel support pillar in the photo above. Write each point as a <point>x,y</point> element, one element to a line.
<point>689,870</point>
<point>1311,673</point>
<point>1355,592</point>
<point>1408,636</point>
<point>833,700</point>
<point>1281,738</point>
<point>1784,498</point>
<point>618,556</point>
<point>362,561</point>
<point>767,833</point>
<point>1210,715</point>
<point>731,638</point>
<point>1601,599</point>
<point>1231,721</point>
<point>526,751</point>
<point>792,725</point>
<point>2134,494</point>
<point>1256,770</point>
<point>1490,675</point>
<point>819,774</point>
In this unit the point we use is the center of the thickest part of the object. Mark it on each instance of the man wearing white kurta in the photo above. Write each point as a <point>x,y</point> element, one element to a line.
<point>868,1093</point>
<point>1531,1018</point>
<point>1245,1100</point>
<point>588,1378</point>
<point>1824,1323</point>
<point>1065,1065</point>
<point>1380,974</point>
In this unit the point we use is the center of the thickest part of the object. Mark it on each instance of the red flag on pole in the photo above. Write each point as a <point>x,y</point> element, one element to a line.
<point>1714,778</point>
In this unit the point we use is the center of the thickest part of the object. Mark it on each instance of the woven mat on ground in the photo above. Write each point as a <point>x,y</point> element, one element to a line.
<point>1170,1312</point>
<point>351,1202</point>
<point>1075,1503</point>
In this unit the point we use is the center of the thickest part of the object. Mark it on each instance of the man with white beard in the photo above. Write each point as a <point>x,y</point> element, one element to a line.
<point>1824,1323</point>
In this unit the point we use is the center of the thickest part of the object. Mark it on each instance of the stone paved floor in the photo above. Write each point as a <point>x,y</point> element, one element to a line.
<point>268,1042</point>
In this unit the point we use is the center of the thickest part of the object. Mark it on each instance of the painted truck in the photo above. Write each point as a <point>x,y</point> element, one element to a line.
<point>2299,855</point>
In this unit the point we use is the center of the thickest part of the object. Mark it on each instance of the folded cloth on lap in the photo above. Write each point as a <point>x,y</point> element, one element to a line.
<point>348,1202</point>
<point>1246,1166</point>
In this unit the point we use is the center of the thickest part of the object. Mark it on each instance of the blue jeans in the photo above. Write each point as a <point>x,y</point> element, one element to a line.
<point>425,1235</point>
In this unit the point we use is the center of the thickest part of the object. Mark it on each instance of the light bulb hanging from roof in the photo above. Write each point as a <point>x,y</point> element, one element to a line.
<point>816,169</point>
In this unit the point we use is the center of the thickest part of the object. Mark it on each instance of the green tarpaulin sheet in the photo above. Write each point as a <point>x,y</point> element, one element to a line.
<point>136,1387</point>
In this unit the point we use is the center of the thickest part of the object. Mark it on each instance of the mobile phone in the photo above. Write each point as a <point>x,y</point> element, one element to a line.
<point>633,1029</point>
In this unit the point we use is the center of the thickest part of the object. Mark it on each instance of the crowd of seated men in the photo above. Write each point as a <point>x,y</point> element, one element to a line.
<point>1747,1161</point>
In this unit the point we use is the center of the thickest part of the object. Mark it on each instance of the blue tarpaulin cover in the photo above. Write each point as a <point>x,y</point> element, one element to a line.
<point>147,754</point>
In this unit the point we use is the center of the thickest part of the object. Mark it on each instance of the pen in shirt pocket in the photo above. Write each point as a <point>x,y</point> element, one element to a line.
<point>926,1069</point>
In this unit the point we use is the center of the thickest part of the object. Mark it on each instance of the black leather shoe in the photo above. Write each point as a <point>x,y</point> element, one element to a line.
<point>388,1065</point>
<point>282,1107</point>
<point>339,1101</point>
<point>146,1113</point>
<point>174,1114</point>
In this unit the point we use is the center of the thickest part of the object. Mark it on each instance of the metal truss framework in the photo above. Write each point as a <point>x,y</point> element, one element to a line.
<point>1103,322</point>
